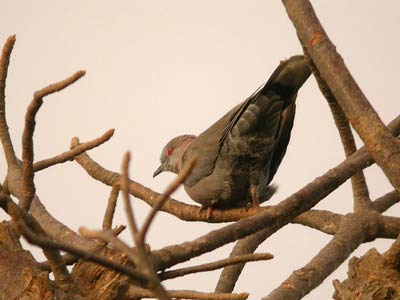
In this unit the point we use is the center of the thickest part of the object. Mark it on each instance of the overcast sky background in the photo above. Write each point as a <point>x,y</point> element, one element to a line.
<point>157,69</point>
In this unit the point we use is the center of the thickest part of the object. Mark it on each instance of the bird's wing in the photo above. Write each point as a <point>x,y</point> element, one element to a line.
<point>206,149</point>
<point>283,137</point>
<point>285,80</point>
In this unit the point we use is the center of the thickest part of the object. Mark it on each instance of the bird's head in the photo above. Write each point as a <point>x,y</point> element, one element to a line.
<point>172,154</point>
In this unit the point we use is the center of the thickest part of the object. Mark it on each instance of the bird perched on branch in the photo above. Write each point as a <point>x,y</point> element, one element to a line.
<point>237,156</point>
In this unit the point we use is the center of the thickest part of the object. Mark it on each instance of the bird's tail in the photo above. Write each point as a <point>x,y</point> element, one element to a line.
<point>288,78</point>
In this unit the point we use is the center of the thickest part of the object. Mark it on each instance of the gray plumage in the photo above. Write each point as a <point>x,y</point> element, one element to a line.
<point>237,157</point>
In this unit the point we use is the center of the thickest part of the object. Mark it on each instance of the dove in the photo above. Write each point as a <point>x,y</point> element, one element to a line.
<point>238,156</point>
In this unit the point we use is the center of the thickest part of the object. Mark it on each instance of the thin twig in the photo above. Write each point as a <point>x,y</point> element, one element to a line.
<point>215,265</point>
<point>136,293</point>
<point>110,210</point>
<point>164,197</point>
<point>4,132</point>
<point>118,229</point>
<point>70,155</point>
<point>125,193</point>
<point>143,261</point>
<point>28,187</point>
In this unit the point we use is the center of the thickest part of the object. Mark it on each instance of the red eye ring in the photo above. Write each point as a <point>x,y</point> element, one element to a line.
<point>170,151</point>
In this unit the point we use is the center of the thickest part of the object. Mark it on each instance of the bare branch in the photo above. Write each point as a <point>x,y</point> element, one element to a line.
<point>389,227</point>
<point>143,261</point>
<point>359,185</point>
<point>70,155</point>
<point>324,221</point>
<point>70,259</point>
<point>164,197</point>
<point>386,201</point>
<point>135,293</point>
<point>230,274</point>
<point>215,265</point>
<point>302,281</point>
<point>28,188</point>
<point>25,222</point>
<point>58,86</point>
<point>384,148</point>
<point>4,132</point>
<point>110,210</point>
<point>125,194</point>
<point>46,243</point>
<point>108,237</point>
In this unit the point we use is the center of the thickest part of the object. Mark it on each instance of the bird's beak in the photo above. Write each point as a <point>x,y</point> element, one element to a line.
<point>159,170</point>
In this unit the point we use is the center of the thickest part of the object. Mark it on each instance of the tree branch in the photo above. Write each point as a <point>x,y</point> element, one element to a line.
<point>165,196</point>
<point>304,280</point>
<point>135,293</point>
<point>4,132</point>
<point>28,226</point>
<point>110,210</point>
<point>70,155</point>
<point>143,262</point>
<point>239,259</point>
<point>386,201</point>
<point>28,188</point>
<point>359,185</point>
<point>384,148</point>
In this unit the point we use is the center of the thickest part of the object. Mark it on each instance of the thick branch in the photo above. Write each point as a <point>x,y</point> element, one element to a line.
<point>386,201</point>
<point>324,221</point>
<point>384,148</point>
<point>302,281</point>
<point>28,226</point>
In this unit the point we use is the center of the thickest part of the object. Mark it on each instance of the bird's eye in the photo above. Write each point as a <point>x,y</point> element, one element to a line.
<point>170,151</point>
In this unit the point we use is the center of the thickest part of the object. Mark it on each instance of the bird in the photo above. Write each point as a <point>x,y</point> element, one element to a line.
<point>238,156</point>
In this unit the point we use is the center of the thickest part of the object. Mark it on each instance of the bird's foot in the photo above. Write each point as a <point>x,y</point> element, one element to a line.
<point>208,212</point>
<point>254,196</point>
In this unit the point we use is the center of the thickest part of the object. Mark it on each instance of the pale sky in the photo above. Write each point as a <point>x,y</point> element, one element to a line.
<point>157,69</point>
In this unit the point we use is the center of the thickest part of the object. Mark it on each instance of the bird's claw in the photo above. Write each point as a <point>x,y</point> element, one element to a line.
<point>208,212</point>
<point>254,196</point>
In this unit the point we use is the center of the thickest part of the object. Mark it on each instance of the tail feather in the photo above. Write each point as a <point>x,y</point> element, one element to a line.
<point>287,78</point>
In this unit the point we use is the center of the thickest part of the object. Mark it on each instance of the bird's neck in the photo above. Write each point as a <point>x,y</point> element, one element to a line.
<point>185,146</point>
